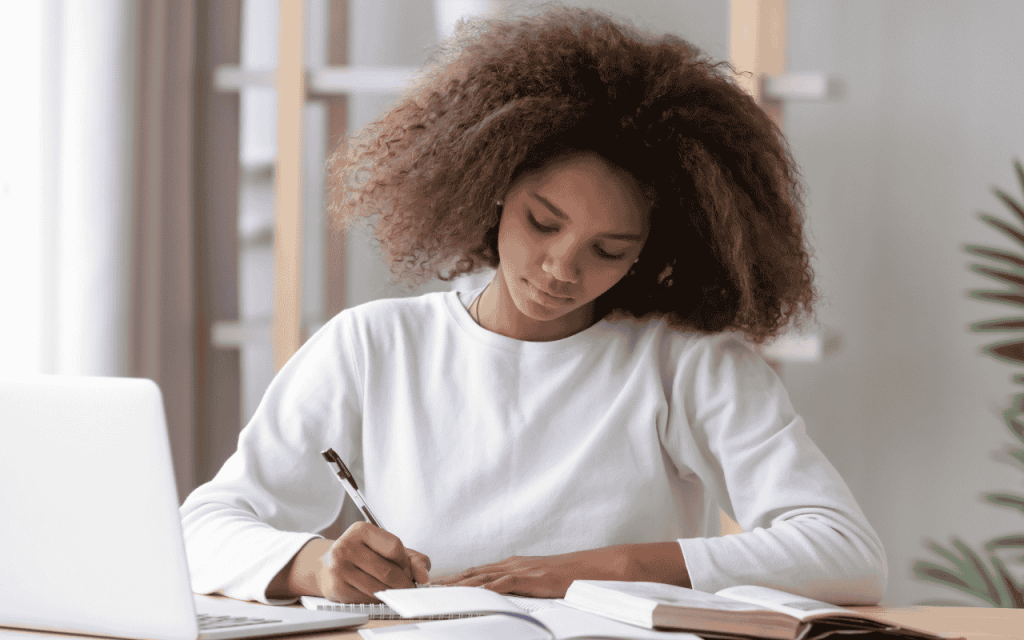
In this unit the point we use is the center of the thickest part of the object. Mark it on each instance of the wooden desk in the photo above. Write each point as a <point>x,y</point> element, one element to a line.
<point>973,623</point>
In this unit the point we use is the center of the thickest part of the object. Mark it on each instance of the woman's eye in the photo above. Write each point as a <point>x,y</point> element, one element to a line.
<point>538,226</point>
<point>609,256</point>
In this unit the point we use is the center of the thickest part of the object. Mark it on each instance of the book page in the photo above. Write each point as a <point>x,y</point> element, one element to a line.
<point>659,593</point>
<point>793,605</point>
<point>412,603</point>
<point>567,624</point>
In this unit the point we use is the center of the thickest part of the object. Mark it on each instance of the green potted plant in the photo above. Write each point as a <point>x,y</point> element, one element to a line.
<point>984,574</point>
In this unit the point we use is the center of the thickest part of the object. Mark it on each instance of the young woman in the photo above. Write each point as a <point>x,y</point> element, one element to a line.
<point>587,412</point>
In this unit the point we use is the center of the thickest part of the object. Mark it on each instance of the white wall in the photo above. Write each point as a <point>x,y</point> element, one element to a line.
<point>897,169</point>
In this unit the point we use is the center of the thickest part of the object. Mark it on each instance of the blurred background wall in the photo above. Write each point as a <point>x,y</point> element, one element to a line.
<point>138,201</point>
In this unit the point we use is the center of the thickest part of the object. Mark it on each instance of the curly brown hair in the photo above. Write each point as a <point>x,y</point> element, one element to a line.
<point>504,96</point>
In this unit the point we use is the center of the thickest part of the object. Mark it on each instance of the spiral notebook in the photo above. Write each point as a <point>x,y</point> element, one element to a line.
<point>384,612</point>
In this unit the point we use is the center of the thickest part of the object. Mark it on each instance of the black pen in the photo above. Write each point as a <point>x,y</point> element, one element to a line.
<point>345,477</point>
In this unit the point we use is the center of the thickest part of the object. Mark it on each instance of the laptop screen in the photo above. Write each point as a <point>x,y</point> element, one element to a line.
<point>92,540</point>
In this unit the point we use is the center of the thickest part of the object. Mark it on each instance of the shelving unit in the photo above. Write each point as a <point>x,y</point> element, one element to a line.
<point>293,107</point>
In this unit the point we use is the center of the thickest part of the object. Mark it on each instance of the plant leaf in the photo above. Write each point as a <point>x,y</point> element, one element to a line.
<point>980,568</point>
<point>1011,351</point>
<point>1012,418</point>
<point>1002,226</point>
<point>1018,454</point>
<point>969,574</point>
<point>1003,324</point>
<point>1011,585</point>
<point>1020,173</point>
<point>1006,542</point>
<point>1010,202</point>
<point>999,296</point>
<point>996,254</point>
<point>938,549</point>
<point>1009,277</point>
<point>1006,500</point>
<point>935,573</point>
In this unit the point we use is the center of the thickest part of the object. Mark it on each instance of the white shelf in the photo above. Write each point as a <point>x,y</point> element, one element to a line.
<point>332,80</point>
<point>324,80</point>
<point>802,85</point>
<point>233,334</point>
<point>805,347</point>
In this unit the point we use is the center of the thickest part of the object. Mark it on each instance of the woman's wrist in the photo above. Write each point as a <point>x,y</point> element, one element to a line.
<point>653,562</point>
<point>299,576</point>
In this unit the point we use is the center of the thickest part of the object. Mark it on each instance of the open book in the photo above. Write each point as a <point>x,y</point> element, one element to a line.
<point>499,618</point>
<point>737,611</point>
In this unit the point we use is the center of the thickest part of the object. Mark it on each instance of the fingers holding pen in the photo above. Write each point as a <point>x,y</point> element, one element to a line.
<point>349,583</point>
<point>420,566</point>
<point>366,553</point>
<point>414,564</point>
<point>385,554</point>
<point>366,559</point>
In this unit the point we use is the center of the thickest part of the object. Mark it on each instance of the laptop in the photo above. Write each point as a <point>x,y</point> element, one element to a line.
<point>90,534</point>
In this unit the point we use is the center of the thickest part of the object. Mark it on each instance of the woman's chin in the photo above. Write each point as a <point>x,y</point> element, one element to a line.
<point>544,311</point>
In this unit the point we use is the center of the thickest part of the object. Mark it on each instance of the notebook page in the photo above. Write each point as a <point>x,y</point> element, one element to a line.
<point>563,624</point>
<point>495,627</point>
<point>375,611</point>
<point>447,600</point>
<point>530,605</point>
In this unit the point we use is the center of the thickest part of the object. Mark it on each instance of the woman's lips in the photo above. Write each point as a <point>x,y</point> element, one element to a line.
<point>544,297</point>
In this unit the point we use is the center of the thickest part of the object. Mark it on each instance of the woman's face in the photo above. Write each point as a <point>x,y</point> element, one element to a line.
<point>568,232</point>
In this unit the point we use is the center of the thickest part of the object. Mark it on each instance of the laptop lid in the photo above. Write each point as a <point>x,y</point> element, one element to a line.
<point>92,540</point>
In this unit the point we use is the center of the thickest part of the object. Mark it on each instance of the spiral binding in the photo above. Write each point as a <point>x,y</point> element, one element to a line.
<point>384,612</point>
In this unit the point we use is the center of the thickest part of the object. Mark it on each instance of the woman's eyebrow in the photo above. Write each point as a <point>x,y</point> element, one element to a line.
<point>632,237</point>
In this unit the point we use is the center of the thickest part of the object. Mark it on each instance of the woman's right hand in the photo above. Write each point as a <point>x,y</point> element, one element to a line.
<point>366,559</point>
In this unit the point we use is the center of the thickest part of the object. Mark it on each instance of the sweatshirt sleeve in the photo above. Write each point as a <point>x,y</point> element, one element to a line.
<point>271,496</point>
<point>804,533</point>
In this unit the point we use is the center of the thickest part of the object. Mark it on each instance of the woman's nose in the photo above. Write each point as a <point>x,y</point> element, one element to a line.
<point>562,265</point>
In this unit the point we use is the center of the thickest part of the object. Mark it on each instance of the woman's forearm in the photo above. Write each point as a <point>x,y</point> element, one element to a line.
<point>298,577</point>
<point>551,576</point>
<point>654,562</point>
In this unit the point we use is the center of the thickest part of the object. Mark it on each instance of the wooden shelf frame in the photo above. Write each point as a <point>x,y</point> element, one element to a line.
<point>294,85</point>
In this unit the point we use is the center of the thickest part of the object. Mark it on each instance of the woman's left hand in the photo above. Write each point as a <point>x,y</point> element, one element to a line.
<point>550,576</point>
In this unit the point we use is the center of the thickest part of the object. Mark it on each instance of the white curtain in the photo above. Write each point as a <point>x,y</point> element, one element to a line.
<point>29,117</point>
<point>68,69</point>
<point>95,187</point>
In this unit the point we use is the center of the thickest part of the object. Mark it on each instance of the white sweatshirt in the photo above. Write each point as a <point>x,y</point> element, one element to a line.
<point>472,447</point>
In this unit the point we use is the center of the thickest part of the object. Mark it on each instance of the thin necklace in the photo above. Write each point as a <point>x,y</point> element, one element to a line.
<point>476,303</point>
